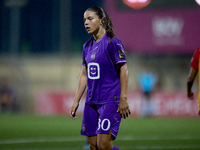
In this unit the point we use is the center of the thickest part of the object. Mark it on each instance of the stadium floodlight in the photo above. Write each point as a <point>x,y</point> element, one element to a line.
<point>198,2</point>
<point>135,1</point>
<point>137,4</point>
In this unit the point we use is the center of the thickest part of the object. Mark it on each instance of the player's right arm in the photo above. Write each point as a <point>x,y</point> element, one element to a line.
<point>190,81</point>
<point>82,83</point>
<point>193,72</point>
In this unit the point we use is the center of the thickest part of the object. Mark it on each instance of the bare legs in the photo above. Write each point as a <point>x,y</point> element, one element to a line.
<point>101,142</point>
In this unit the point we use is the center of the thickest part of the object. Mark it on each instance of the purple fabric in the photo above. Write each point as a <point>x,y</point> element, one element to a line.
<point>102,76</point>
<point>100,119</point>
<point>115,148</point>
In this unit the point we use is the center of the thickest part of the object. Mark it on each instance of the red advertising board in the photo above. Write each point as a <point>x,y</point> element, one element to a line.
<point>56,103</point>
<point>163,104</point>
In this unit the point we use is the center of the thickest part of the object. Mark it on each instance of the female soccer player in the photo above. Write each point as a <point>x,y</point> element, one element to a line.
<point>105,73</point>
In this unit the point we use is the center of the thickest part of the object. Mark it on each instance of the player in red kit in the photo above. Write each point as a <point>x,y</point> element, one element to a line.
<point>192,75</point>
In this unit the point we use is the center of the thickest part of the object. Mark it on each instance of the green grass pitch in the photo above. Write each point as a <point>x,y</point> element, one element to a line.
<point>30,132</point>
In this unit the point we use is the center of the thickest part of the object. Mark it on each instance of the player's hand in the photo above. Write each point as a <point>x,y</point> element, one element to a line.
<point>124,108</point>
<point>191,95</point>
<point>72,111</point>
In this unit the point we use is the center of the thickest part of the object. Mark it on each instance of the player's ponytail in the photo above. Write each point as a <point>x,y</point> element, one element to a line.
<point>107,24</point>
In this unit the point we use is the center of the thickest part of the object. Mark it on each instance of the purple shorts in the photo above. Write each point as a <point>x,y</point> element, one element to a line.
<point>100,119</point>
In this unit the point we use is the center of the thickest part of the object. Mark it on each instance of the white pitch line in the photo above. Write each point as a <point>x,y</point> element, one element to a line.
<point>41,140</point>
<point>81,138</point>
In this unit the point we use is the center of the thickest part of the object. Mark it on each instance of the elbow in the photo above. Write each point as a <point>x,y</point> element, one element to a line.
<point>190,79</point>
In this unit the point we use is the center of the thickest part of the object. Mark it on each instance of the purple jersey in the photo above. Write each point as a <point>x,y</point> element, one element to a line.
<point>103,78</point>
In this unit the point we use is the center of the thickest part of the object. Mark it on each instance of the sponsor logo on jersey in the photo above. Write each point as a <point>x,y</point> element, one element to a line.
<point>93,71</point>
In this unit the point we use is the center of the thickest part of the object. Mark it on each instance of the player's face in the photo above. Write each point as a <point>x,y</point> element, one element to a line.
<point>92,22</point>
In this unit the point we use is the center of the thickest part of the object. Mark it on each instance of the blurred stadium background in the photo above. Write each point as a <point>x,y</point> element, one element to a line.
<point>41,44</point>
<point>40,60</point>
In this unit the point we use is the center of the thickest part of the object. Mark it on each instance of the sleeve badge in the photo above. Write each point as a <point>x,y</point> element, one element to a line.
<point>121,53</point>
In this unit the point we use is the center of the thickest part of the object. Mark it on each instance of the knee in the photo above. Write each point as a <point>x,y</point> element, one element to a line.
<point>93,147</point>
<point>103,145</point>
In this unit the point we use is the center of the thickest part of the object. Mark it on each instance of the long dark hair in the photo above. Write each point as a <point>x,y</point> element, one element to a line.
<point>107,24</point>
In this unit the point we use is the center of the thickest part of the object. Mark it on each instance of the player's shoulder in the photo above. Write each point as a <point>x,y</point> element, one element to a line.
<point>197,51</point>
<point>116,40</point>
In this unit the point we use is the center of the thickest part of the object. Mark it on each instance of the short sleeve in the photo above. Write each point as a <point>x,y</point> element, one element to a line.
<point>117,52</point>
<point>195,60</point>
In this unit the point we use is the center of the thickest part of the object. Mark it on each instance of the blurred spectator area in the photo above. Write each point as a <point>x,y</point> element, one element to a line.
<point>31,75</point>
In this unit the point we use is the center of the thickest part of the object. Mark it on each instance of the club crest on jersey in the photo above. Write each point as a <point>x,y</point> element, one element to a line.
<point>121,53</point>
<point>93,56</point>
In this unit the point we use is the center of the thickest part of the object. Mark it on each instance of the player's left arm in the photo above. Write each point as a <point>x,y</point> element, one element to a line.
<point>123,104</point>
